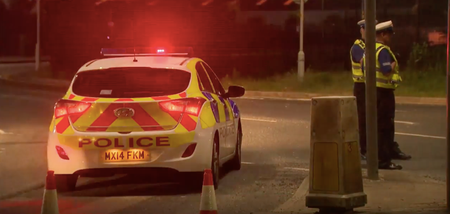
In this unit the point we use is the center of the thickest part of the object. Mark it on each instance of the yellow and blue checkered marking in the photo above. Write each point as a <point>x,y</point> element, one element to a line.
<point>214,106</point>
<point>235,108</point>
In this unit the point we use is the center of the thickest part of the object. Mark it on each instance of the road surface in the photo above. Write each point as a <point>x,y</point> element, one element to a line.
<point>275,160</point>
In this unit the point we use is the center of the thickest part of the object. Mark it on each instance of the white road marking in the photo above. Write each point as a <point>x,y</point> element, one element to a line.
<point>274,121</point>
<point>420,135</point>
<point>3,132</point>
<point>405,122</point>
<point>248,163</point>
<point>297,169</point>
<point>259,120</point>
<point>397,121</point>
<point>397,133</point>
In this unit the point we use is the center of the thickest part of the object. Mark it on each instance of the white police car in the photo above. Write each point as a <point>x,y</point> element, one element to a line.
<point>153,110</point>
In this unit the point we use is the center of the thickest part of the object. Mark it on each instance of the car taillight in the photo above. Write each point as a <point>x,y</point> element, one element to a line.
<point>190,106</point>
<point>68,107</point>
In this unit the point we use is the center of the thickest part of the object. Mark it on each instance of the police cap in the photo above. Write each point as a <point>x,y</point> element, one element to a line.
<point>362,23</point>
<point>386,27</point>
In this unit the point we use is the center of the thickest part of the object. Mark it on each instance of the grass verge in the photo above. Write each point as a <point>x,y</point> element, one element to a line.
<point>417,84</point>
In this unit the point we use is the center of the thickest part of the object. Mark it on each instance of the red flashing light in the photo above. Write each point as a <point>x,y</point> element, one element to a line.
<point>164,50</point>
<point>190,106</point>
<point>69,107</point>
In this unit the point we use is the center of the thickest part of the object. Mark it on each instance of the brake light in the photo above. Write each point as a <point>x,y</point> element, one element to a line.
<point>69,107</point>
<point>190,106</point>
<point>172,106</point>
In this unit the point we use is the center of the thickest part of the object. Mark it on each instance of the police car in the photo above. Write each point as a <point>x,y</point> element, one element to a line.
<point>149,110</point>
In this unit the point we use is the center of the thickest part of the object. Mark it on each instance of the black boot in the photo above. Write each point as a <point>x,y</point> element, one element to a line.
<point>363,157</point>
<point>389,166</point>
<point>397,154</point>
<point>401,156</point>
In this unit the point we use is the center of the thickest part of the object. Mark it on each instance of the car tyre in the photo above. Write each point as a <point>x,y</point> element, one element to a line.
<point>66,183</point>
<point>194,180</point>
<point>215,164</point>
<point>236,161</point>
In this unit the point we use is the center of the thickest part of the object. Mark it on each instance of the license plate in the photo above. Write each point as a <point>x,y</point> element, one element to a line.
<point>125,155</point>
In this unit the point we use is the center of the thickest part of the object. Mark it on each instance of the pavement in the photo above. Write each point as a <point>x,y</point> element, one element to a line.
<point>394,192</point>
<point>273,179</point>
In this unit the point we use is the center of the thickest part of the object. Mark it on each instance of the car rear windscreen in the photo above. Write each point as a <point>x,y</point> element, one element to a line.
<point>131,82</point>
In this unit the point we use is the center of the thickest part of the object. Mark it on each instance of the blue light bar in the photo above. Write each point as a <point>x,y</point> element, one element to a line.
<point>147,51</point>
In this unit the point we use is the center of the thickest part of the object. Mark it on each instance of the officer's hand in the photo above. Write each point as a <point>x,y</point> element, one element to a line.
<point>393,65</point>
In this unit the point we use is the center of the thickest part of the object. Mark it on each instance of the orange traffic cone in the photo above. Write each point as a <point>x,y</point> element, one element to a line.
<point>50,201</point>
<point>208,201</point>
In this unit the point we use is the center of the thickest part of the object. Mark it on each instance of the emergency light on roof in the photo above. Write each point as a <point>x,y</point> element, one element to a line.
<point>147,51</point>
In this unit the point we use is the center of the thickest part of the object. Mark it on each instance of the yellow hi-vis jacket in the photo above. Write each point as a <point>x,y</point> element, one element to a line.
<point>392,81</point>
<point>358,75</point>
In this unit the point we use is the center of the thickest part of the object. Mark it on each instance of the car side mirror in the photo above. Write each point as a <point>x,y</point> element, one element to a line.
<point>235,91</point>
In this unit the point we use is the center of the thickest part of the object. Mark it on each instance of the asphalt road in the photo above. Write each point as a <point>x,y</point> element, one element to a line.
<point>275,156</point>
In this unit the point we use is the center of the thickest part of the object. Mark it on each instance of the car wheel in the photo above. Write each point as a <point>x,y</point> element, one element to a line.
<point>215,165</point>
<point>194,180</point>
<point>236,161</point>
<point>66,183</point>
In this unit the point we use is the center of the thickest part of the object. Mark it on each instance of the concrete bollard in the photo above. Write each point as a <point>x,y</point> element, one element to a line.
<point>335,163</point>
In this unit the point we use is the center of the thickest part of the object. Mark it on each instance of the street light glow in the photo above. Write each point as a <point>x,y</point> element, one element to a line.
<point>206,2</point>
<point>288,2</point>
<point>261,2</point>
<point>152,2</point>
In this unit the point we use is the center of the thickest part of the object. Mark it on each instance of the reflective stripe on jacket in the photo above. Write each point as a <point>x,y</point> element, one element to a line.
<point>358,75</point>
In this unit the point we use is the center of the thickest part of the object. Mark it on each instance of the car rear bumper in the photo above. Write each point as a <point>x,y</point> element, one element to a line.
<point>89,160</point>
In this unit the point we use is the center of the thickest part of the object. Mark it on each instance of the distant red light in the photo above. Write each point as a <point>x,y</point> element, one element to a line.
<point>160,50</point>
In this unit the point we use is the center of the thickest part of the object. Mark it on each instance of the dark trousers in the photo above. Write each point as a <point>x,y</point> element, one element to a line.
<point>359,91</point>
<point>386,126</point>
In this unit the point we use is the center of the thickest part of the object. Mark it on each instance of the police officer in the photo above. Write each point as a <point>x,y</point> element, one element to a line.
<point>359,87</point>
<point>387,80</point>
<point>395,151</point>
